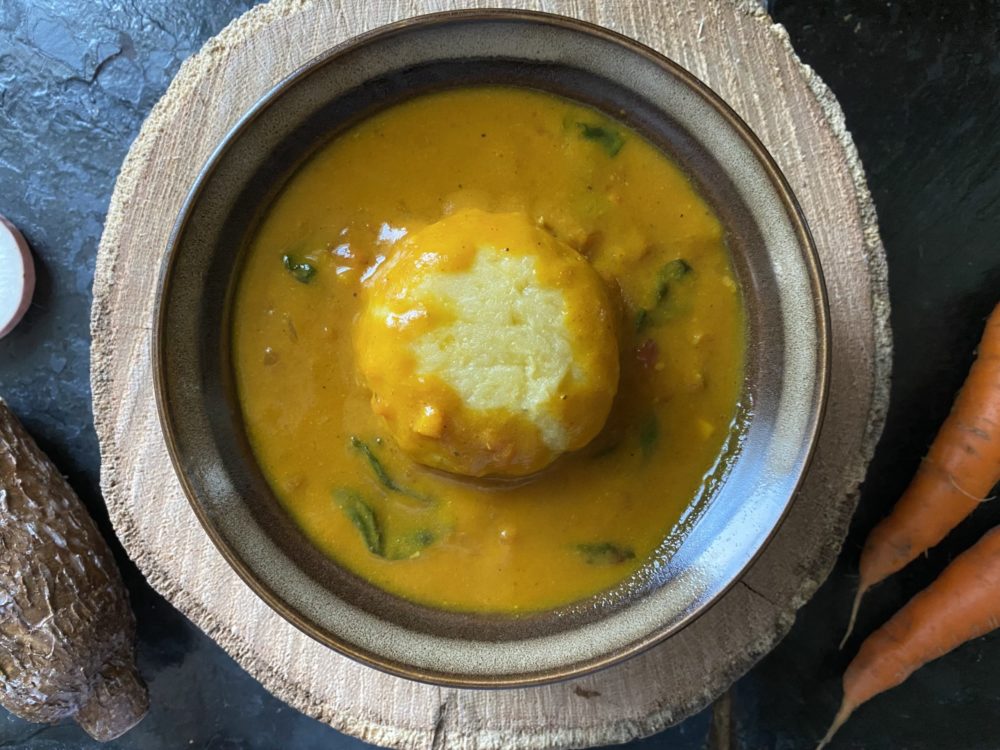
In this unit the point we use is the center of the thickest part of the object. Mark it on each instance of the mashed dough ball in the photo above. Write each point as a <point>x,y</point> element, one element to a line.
<point>488,345</point>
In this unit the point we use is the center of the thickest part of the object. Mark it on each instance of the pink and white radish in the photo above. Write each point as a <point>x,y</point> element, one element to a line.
<point>17,277</point>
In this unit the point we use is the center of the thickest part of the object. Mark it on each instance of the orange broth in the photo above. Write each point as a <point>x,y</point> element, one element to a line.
<point>596,516</point>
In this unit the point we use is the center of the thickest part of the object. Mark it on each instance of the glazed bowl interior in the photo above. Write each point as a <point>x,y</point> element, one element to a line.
<point>776,266</point>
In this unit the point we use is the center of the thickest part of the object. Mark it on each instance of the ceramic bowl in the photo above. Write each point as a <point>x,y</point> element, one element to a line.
<point>775,261</point>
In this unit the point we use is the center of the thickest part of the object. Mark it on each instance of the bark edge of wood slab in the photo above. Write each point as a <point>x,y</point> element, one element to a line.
<point>67,632</point>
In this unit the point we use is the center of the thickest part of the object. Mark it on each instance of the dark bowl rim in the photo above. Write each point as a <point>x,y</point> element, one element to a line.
<point>274,599</point>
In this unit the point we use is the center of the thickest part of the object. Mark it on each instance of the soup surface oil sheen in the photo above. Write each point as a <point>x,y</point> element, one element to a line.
<point>595,516</point>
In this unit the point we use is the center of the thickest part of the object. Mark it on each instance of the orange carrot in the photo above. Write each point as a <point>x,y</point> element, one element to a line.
<point>962,604</point>
<point>963,464</point>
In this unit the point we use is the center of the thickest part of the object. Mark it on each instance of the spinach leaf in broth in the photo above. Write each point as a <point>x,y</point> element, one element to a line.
<point>411,545</point>
<point>606,137</point>
<point>361,514</point>
<point>670,274</point>
<point>604,553</point>
<point>364,518</point>
<point>381,473</point>
<point>302,271</point>
<point>669,279</point>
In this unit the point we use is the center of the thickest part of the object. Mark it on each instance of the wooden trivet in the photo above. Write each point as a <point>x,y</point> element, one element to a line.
<point>748,60</point>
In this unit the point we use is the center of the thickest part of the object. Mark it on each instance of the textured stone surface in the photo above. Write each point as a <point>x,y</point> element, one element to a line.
<point>920,87</point>
<point>921,91</point>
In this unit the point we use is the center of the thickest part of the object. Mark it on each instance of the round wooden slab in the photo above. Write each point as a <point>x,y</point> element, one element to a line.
<point>747,59</point>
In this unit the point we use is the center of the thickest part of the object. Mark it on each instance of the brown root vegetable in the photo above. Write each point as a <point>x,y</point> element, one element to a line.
<point>67,633</point>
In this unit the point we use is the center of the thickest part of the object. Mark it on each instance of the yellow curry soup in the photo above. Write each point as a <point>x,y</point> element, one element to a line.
<point>573,518</point>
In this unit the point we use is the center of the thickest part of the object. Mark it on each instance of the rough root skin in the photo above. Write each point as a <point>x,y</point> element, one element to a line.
<point>67,633</point>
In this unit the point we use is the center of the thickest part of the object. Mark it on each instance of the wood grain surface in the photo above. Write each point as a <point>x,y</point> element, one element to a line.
<point>739,52</point>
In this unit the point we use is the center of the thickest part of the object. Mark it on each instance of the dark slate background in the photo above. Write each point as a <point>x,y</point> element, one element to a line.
<point>920,85</point>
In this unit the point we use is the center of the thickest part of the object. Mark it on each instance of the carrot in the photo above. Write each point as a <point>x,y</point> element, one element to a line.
<point>962,604</point>
<point>962,465</point>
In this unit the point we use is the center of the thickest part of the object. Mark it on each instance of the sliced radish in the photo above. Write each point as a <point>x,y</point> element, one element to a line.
<point>17,277</point>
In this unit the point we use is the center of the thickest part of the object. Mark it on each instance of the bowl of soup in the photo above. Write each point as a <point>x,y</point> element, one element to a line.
<point>491,348</point>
